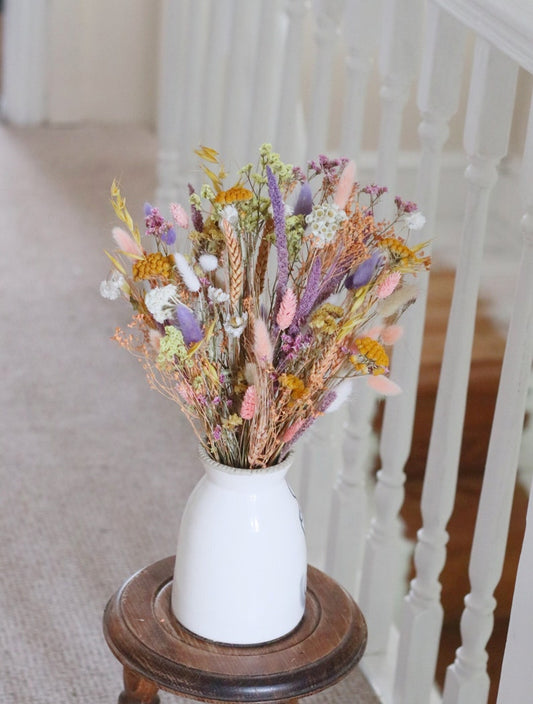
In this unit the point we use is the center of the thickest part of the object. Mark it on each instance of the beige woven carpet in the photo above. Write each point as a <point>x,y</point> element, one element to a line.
<point>94,467</point>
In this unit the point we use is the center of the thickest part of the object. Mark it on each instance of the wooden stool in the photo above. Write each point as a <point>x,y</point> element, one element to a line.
<point>158,653</point>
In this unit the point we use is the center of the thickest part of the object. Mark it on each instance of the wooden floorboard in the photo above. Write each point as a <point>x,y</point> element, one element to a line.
<point>485,371</point>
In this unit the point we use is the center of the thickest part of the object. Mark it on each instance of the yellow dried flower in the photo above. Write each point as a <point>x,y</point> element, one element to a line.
<point>153,265</point>
<point>404,258</point>
<point>233,421</point>
<point>326,318</point>
<point>294,383</point>
<point>232,195</point>
<point>359,366</point>
<point>373,351</point>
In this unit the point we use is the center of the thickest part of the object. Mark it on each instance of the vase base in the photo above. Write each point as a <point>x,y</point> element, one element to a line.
<point>232,644</point>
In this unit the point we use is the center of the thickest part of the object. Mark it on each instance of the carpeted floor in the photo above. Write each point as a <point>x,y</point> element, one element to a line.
<point>94,467</point>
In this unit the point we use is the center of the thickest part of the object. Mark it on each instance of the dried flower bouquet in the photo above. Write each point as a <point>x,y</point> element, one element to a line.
<point>261,326</point>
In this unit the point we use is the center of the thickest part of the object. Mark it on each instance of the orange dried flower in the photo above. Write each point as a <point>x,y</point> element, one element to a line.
<point>153,265</point>
<point>232,195</point>
<point>373,351</point>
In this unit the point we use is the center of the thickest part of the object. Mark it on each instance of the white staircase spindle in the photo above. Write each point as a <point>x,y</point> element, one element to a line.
<point>242,59</point>
<point>219,24</point>
<point>266,80</point>
<point>173,22</point>
<point>348,517</point>
<point>467,679</point>
<point>398,63</point>
<point>487,128</point>
<point>437,102</point>
<point>328,14</point>
<point>359,28</point>
<point>287,140</point>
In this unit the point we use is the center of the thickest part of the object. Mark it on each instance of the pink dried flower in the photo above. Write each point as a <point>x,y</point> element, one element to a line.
<point>391,334</point>
<point>126,242</point>
<point>180,216</point>
<point>389,284</point>
<point>383,385</point>
<point>249,403</point>
<point>291,431</point>
<point>345,185</point>
<point>287,309</point>
<point>262,344</point>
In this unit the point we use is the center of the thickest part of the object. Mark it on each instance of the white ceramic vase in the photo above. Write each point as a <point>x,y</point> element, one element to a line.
<point>241,562</point>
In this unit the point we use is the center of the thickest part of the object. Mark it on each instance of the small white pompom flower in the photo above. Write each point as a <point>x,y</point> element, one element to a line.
<point>231,214</point>
<point>111,287</point>
<point>208,262</point>
<point>415,220</point>
<point>217,295</point>
<point>235,325</point>
<point>160,301</point>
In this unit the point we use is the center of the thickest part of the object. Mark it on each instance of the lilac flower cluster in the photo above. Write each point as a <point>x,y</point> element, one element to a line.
<point>405,206</point>
<point>157,226</point>
<point>374,190</point>
<point>326,166</point>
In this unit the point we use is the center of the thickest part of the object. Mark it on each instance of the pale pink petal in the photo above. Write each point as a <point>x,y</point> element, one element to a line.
<point>345,185</point>
<point>125,242</point>
<point>375,332</point>
<point>391,334</point>
<point>292,430</point>
<point>389,284</point>
<point>249,402</point>
<point>383,385</point>
<point>262,344</point>
<point>179,214</point>
<point>287,309</point>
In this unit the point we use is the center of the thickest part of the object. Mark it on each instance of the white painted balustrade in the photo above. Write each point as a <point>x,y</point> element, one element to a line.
<point>318,52</point>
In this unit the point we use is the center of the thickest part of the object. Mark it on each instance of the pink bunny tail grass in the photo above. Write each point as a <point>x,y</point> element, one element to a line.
<point>345,185</point>
<point>383,385</point>
<point>249,403</point>
<point>287,309</point>
<point>391,334</point>
<point>262,345</point>
<point>375,332</point>
<point>180,216</point>
<point>126,242</point>
<point>389,284</point>
<point>291,431</point>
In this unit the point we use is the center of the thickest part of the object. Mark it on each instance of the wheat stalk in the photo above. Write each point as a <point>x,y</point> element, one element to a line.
<point>235,263</point>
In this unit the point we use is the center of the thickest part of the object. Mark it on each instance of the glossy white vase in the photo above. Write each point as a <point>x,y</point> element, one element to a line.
<point>241,562</point>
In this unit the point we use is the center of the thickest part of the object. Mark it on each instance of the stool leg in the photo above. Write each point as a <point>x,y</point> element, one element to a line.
<point>137,690</point>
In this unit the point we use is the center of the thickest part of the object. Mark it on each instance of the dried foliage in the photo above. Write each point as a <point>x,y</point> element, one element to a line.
<point>274,306</point>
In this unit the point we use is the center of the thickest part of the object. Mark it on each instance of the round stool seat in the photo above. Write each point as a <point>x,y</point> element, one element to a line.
<point>158,653</point>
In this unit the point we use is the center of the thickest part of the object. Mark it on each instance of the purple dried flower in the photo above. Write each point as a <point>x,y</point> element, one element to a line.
<point>187,323</point>
<point>304,204</point>
<point>157,226</point>
<point>310,294</point>
<point>308,422</point>
<point>364,272</point>
<point>196,215</point>
<point>217,433</point>
<point>169,237</point>
<point>278,212</point>
<point>326,401</point>
<point>374,190</point>
<point>298,174</point>
<point>405,206</point>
